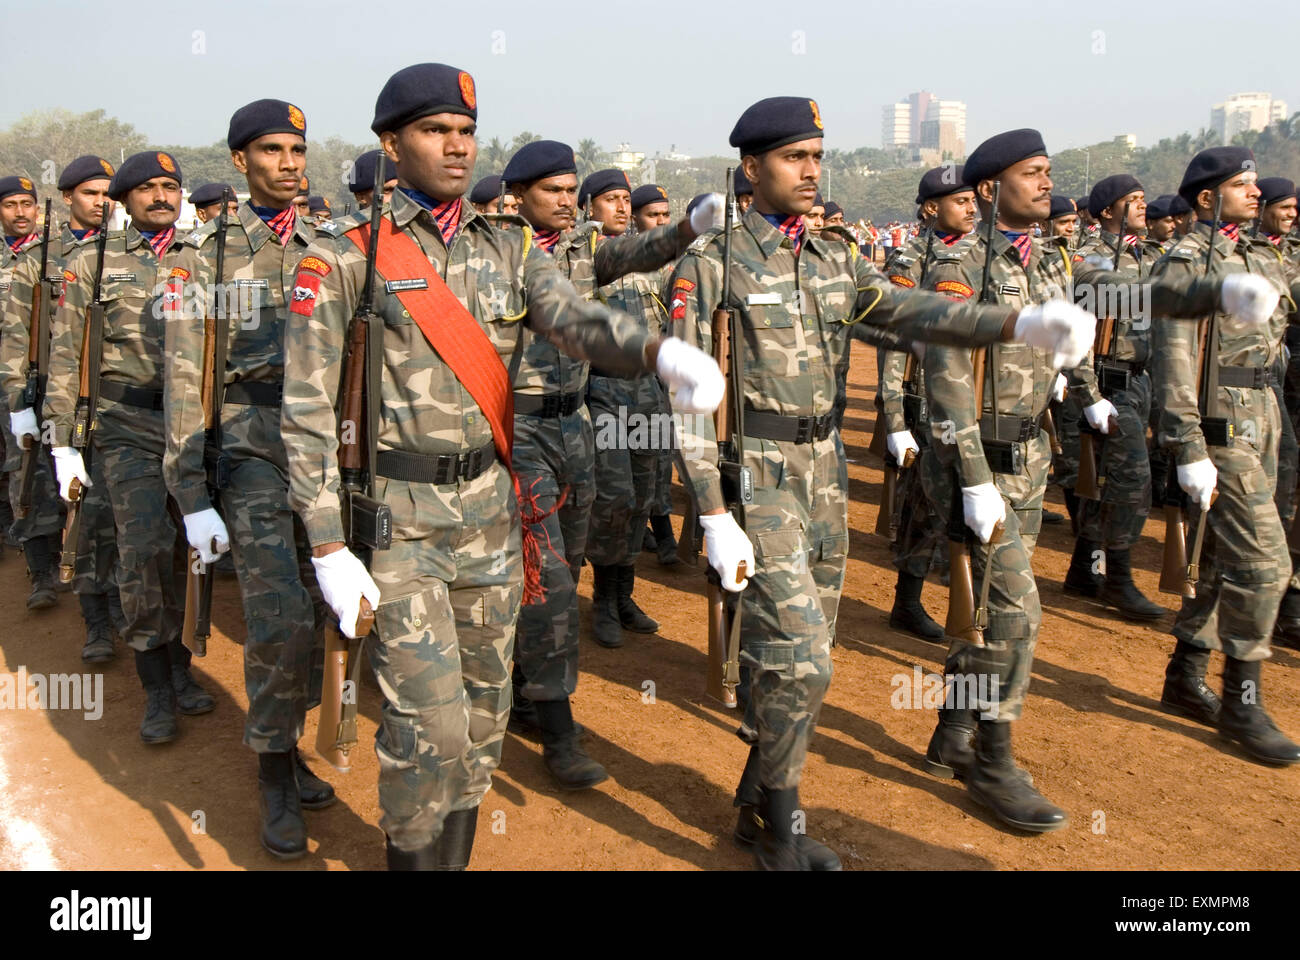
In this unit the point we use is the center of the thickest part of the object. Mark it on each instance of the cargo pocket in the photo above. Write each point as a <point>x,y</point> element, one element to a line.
<point>834,548</point>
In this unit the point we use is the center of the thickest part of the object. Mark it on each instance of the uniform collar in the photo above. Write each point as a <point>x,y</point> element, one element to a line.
<point>770,239</point>
<point>402,210</point>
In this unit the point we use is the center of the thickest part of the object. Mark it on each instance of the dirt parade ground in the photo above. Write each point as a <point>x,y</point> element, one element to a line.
<point>1143,789</point>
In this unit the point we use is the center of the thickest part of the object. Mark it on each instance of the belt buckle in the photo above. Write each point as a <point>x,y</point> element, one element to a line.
<point>445,471</point>
<point>804,430</point>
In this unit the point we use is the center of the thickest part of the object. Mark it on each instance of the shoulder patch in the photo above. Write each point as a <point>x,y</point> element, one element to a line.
<point>316,264</point>
<point>69,276</point>
<point>681,283</point>
<point>900,281</point>
<point>179,272</point>
<point>953,287</point>
<point>305,288</point>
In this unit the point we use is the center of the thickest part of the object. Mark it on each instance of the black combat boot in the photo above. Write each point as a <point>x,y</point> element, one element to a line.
<point>191,699</point>
<point>313,792</point>
<point>952,746</point>
<point>284,832</point>
<point>630,615</point>
<point>1286,632</point>
<point>995,781</point>
<point>750,825</point>
<point>154,668</point>
<point>908,613</point>
<point>1119,591</point>
<point>648,541</point>
<point>778,846</point>
<point>1244,720</point>
<point>1186,692</point>
<point>605,626</point>
<point>568,763</point>
<point>99,632</point>
<point>424,858</point>
<point>665,540</point>
<point>40,569</point>
<point>1079,579</point>
<point>453,849</point>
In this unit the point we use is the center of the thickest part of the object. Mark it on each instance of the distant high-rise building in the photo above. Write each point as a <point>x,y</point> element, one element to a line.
<point>925,122</point>
<point>1245,111</point>
<point>896,127</point>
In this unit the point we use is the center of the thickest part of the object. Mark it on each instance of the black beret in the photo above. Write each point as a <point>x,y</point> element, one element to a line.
<point>317,204</point>
<point>602,181</point>
<point>209,194</point>
<point>1178,206</point>
<point>540,159</point>
<point>1158,208</point>
<point>648,193</point>
<point>1108,190</point>
<point>141,167</point>
<point>818,201</point>
<point>1081,203</point>
<point>421,90</point>
<point>1001,151</point>
<point>940,182</point>
<point>89,167</point>
<point>11,185</point>
<point>304,187</point>
<point>741,184</point>
<point>774,122</point>
<point>486,190</point>
<point>362,175</point>
<point>1275,189</point>
<point>1061,207</point>
<point>1211,167</point>
<point>833,208</point>
<point>261,117</point>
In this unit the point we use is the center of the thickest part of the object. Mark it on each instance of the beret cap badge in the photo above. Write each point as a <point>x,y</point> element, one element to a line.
<point>816,114</point>
<point>296,118</point>
<point>166,163</point>
<point>467,89</point>
<point>26,184</point>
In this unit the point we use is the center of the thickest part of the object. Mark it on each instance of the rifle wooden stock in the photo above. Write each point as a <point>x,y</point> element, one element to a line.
<point>1087,486</point>
<point>354,399</point>
<point>71,533</point>
<point>336,731</point>
<point>885,525</point>
<point>961,593</point>
<point>1173,566</point>
<point>719,614</point>
<point>1193,569</point>
<point>197,578</point>
<point>1049,427</point>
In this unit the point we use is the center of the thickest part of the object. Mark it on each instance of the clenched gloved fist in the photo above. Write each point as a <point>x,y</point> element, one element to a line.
<point>22,423</point>
<point>1248,297</point>
<point>344,580</point>
<point>69,466</point>
<point>1058,326</point>
<point>727,546</point>
<point>983,508</point>
<point>1099,415</point>
<point>1198,480</point>
<point>901,442</point>
<point>693,374</point>
<point>204,529</point>
<point>709,213</point>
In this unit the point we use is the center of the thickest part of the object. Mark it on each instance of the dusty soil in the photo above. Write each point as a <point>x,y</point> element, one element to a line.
<point>1142,789</point>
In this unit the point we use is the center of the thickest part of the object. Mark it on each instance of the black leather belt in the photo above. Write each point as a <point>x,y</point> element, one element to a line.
<point>427,468</point>
<point>1251,378</point>
<point>550,406</point>
<point>131,396</point>
<point>257,393</point>
<point>1015,429</point>
<point>774,426</point>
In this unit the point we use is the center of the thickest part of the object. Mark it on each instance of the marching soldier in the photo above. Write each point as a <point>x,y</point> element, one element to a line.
<point>486,198</point>
<point>361,178</point>
<point>453,578</point>
<point>318,210</point>
<point>1183,214</point>
<point>84,185</point>
<point>1244,566</point>
<point>554,449</point>
<point>947,206</point>
<point>129,433</point>
<point>834,214</point>
<point>206,201</point>
<point>796,298</point>
<point>1160,224</point>
<point>1063,221</point>
<point>247,477</point>
<point>1000,456</point>
<point>1116,391</point>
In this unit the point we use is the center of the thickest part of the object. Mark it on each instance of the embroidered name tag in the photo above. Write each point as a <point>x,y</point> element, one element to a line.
<point>118,277</point>
<point>763,299</point>
<point>396,286</point>
<point>259,282</point>
<point>1010,289</point>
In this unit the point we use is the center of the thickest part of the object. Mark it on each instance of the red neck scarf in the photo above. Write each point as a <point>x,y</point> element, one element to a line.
<point>160,241</point>
<point>546,239</point>
<point>20,242</point>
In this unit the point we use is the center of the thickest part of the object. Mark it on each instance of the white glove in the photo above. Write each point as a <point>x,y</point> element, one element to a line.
<point>983,508</point>
<point>1099,415</point>
<point>726,546</point>
<point>1248,297</point>
<point>344,580</point>
<point>22,423</point>
<point>201,529</point>
<point>1059,387</point>
<point>69,466</point>
<point>901,442</point>
<point>1058,326</point>
<point>709,213</point>
<point>1198,480</point>
<point>693,374</point>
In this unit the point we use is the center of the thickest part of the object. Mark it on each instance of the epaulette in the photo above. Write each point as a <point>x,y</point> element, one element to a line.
<point>331,227</point>
<point>900,260</point>
<point>699,243</point>
<point>1185,253</point>
<point>949,254</point>
<point>200,233</point>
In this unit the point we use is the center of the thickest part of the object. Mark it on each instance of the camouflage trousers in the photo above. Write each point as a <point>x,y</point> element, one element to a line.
<point>130,441</point>
<point>919,524</point>
<point>1244,561</point>
<point>1288,466</point>
<point>45,514</point>
<point>798,524</point>
<point>632,433</point>
<point>284,612</point>
<point>452,583</point>
<point>1116,520</point>
<point>661,503</point>
<point>552,455</point>
<point>97,570</point>
<point>1015,613</point>
<point>1065,465</point>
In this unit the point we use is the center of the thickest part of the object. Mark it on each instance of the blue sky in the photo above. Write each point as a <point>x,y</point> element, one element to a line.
<point>661,73</point>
